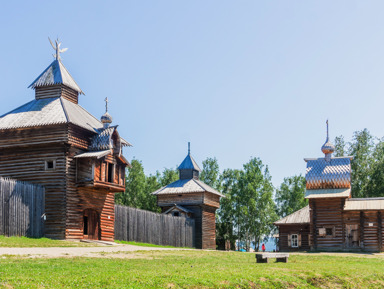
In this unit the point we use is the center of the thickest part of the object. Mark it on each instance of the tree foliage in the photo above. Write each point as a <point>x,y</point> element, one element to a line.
<point>210,173</point>
<point>290,196</point>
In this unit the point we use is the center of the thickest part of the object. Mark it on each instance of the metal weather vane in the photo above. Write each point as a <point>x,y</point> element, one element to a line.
<point>57,48</point>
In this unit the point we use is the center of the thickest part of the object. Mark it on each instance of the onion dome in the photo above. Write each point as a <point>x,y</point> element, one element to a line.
<point>106,118</point>
<point>328,148</point>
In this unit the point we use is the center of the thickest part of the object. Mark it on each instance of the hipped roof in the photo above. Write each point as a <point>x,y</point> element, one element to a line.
<point>189,164</point>
<point>55,73</point>
<point>49,111</point>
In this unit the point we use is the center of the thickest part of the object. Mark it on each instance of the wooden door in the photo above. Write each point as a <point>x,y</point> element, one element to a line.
<point>352,236</point>
<point>91,224</point>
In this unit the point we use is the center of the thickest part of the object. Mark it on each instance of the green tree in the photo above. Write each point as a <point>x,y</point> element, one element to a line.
<point>134,195</point>
<point>151,185</point>
<point>361,148</point>
<point>258,210</point>
<point>227,215</point>
<point>290,196</point>
<point>168,176</point>
<point>339,146</point>
<point>211,173</point>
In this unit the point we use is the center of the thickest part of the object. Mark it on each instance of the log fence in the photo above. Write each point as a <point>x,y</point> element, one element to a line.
<point>148,227</point>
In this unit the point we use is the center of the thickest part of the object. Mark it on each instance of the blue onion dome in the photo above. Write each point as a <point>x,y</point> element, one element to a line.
<point>106,118</point>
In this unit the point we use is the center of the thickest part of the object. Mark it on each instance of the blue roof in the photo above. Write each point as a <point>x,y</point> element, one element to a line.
<point>189,164</point>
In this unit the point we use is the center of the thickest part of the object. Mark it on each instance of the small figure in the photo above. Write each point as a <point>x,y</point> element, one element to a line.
<point>263,247</point>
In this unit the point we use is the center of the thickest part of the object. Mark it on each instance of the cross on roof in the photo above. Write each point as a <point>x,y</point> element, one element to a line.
<point>57,48</point>
<point>106,104</point>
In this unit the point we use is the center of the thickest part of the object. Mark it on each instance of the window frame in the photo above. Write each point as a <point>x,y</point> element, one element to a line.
<point>46,168</point>
<point>293,241</point>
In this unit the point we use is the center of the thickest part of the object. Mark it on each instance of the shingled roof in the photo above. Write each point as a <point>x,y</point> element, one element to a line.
<point>49,111</point>
<point>186,186</point>
<point>55,73</point>
<point>299,217</point>
<point>334,173</point>
<point>189,163</point>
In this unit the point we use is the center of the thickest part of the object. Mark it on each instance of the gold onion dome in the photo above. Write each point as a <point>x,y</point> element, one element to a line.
<point>328,147</point>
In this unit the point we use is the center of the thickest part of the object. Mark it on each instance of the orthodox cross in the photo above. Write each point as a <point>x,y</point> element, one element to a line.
<point>327,130</point>
<point>57,48</point>
<point>106,104</point>
<point>189,147</point>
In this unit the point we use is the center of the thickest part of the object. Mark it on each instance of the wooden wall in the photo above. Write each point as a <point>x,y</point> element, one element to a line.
<point>208,228</point>
<point>143,226</point>
<point>300,229</point>
<point>327,213</point>
<point>23,155</point>
<point>21,209</point>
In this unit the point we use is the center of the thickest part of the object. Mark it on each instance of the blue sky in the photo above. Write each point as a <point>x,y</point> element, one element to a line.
<point>238,79</point>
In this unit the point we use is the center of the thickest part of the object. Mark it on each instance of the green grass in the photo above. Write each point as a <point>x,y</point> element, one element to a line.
<point>145,244</point>
<point>193,269</point>
<point>39,242</point>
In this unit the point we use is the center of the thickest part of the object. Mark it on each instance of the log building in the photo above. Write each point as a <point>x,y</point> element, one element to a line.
<point>54,142</point>
<point>333,220</point>
<point>190,197</point>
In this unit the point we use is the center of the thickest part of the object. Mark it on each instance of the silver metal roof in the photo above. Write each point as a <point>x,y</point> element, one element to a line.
<point>328,174</point>
<point>55,73</point>
<point>186,186</point>
<point>328,193</point>
<point>189,163</point>
<point>97,155</point>
<point>299,217</point>
<point>364,204</point>
<point>49,111</point>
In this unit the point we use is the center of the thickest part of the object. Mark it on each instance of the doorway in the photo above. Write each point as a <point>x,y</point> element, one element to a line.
<point>91,224</point>
<point>352,236</point>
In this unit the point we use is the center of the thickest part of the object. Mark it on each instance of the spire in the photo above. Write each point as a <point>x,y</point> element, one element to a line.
<point>56,73</point>
<point>106,118</point>
<point>328,148</point>
<point>189,169</point>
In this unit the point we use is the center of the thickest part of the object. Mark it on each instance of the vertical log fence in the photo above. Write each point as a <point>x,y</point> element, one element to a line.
<point>21,208</point>
<point>148,227</point>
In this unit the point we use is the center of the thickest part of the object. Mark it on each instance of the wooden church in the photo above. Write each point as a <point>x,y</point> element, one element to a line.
<point>333,220</point>
<point>54,142</point>
<point>190,197</point>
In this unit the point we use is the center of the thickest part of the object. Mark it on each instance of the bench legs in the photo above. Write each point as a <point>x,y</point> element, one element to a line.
<point>283,259</point>
<point>262,260</point>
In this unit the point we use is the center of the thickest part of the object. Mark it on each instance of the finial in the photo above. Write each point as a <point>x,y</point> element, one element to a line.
<point>189,148</point>
<point>328,148</point>
<point>106,104</point>
<point>57,48</point>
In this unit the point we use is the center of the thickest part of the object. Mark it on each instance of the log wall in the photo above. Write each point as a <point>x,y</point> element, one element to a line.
<point>148,227</point>
<point>299,229</point>
<point>21,209</point>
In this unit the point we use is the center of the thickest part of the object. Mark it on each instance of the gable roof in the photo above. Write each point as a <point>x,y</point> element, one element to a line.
<point>49,111</point>
<point>299,217</point>
<point>55,73</point>
<point>178,207</point>
<point>186,186</point>
<point>328,174</point>
<point>189,164</point>
<point>103,139</point>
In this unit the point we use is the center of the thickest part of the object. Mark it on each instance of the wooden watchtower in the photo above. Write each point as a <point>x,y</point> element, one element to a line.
<point>191,197</point>
<point>54,142</point>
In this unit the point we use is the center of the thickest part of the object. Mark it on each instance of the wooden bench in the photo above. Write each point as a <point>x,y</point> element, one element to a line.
<point>264,257</point>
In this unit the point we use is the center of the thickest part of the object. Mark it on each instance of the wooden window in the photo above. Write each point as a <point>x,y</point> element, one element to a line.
<point>329,231</point>
<point>294,240</point>
<point>50,165</point>
<point>176,214</point>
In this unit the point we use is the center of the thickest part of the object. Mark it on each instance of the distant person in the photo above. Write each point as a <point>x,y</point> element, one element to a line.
<point>263,247</point>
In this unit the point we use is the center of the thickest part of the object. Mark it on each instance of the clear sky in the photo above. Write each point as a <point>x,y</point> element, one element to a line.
<point>238,79</point>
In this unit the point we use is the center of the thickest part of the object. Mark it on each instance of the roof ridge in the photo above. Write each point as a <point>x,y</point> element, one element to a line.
<point>19,107</point>
<point>60,63</point>
<point>64,109</point>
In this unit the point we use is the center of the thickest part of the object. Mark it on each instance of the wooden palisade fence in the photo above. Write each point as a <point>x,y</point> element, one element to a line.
<point>148,227</point>
<point>21,208</point>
